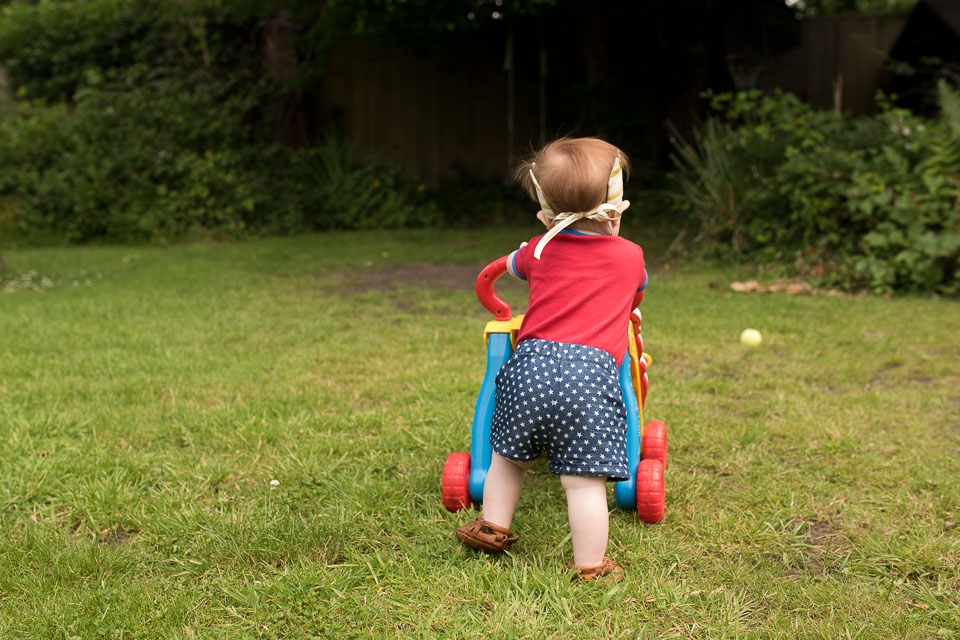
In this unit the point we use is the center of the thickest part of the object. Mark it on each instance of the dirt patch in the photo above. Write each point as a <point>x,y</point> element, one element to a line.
<point>116,537</point>
<point>825,544</point>
<point>817,548</point>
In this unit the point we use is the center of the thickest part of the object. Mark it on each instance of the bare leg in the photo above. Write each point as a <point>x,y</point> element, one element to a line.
<point>501,489</point>
<point>589,519</point>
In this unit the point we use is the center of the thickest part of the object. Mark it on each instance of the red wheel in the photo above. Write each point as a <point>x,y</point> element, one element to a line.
<point>455,485</point>
<point>654,446</point>
<point>651,493</point>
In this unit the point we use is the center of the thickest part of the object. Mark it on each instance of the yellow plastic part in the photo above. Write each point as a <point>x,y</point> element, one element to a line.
<point>632,353</point>
<point>511,326</point>
<point>635,371</point>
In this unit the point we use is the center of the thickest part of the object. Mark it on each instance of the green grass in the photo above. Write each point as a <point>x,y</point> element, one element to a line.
<point>811,491</point>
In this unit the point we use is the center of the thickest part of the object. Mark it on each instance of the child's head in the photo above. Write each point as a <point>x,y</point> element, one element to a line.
<point>573,174</point>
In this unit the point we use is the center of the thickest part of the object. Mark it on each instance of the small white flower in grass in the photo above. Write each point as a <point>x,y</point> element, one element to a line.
<point>274,484</point>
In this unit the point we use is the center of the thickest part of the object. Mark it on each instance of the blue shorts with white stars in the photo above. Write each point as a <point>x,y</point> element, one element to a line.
<point>564,399</point>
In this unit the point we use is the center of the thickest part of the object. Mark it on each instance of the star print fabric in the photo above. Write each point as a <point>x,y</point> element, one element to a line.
<point>564,399</point>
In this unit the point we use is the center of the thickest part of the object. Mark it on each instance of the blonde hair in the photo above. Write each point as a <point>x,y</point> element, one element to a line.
<point>572,172</point>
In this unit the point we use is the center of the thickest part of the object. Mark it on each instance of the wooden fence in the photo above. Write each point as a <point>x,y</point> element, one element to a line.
<point>476,106</point>
<point>428,112</point>
<point>846,53</point>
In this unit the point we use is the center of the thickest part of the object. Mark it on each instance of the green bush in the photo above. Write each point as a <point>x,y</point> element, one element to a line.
<point>167,161</point>
<point>142,121</point>
<point>468,199</point>
<point>151,163</point>
<point>865,202</point>
<point>49,48</point>
<point>54,48</point>
<point>349,194</point>
<point>118,134</point>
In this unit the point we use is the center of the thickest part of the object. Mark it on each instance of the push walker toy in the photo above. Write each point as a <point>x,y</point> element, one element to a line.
<point>464,473</point>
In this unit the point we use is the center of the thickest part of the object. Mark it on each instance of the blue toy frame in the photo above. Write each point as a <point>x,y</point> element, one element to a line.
<point>499,350</point>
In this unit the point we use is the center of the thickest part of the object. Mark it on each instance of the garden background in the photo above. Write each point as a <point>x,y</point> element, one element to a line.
<point>238,334</point>
<point>164,121</point>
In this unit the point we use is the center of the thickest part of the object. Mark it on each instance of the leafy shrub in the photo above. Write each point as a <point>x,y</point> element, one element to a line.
<point>119,134</point>
<point>711,182</point>
<point>864,202</point>
<point>124,131</point>
<point>471,200</point>
<point>349,194</point>
<point>54,48</point>
<point>50,47</point>
<point>150,163</point>
<point>124,128</point>
<point>161,162</point>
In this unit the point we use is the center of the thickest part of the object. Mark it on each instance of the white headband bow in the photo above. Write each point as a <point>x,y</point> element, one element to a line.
<point>563,220</point>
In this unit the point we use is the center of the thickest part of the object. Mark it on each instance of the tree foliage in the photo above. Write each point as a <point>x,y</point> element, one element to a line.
<point>869,202</point>
<point>834,7</point>
<point>149,120</point>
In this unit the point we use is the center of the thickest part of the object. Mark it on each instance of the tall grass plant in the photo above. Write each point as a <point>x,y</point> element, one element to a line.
<point>870,202</point>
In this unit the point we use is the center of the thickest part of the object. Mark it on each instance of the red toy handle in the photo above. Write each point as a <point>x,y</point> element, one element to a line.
<point>485,293</point>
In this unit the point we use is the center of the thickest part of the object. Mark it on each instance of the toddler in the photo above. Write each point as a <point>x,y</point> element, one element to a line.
<point>560,391</point>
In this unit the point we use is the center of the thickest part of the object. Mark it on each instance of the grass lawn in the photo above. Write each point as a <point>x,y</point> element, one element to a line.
<point>150,397</point>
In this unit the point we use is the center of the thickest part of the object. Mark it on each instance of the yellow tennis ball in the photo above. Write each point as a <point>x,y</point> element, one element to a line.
<point>750,337</point>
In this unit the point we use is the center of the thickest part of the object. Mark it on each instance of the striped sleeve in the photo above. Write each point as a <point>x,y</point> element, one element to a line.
<point>643,285</point>
<point>517,262</point>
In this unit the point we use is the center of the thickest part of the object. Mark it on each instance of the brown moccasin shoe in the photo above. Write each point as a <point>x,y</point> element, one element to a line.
<point>608,569</point>
<point>486,536</point>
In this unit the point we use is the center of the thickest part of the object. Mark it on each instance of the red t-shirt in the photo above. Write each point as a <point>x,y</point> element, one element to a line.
<point>581,290</point>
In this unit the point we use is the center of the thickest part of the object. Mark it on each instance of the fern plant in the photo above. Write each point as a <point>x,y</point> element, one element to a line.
<point>708,179</point>
<point>944,158</point>
<point>949,100</point>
